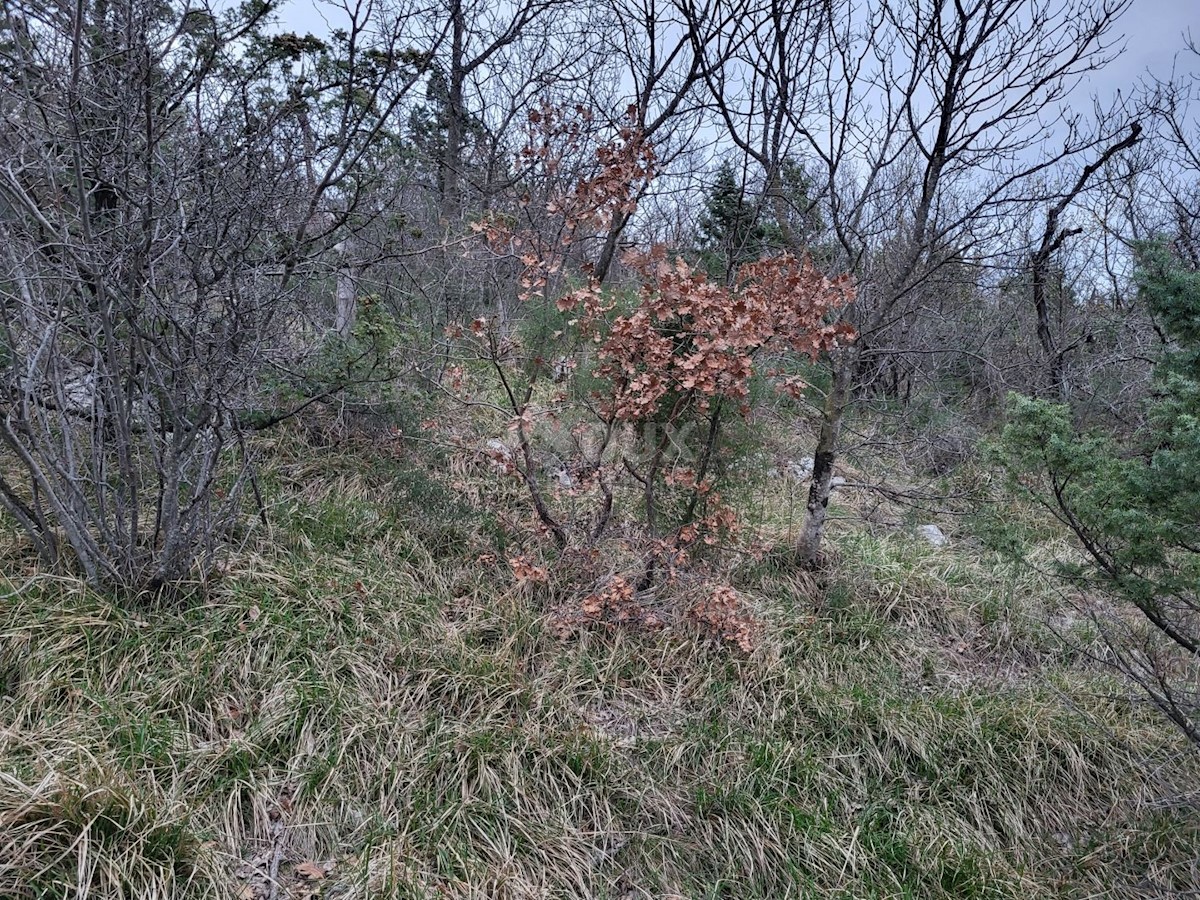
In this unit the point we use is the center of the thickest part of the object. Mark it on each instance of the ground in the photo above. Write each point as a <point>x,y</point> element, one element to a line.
<point>366,703</point>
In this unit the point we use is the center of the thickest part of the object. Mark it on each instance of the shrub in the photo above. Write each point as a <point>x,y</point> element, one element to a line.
<point>1133,508</point>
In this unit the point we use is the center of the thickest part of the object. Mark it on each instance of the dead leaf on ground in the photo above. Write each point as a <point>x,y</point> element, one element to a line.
<point>310,870</point>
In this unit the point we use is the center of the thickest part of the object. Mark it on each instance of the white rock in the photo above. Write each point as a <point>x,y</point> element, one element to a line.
<point>79,393</point>
<point>933,535</point>
<point>498,446</point>
<point>801,469</point>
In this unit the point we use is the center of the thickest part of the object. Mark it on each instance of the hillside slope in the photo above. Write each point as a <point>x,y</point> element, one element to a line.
<point>369,704</point>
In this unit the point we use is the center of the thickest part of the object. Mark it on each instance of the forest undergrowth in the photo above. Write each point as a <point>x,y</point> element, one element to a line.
<point>381,695</point>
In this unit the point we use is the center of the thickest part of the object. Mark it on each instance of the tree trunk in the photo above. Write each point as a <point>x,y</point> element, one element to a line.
<point>609,251</point>
<point>346,291</point>
<point>456,115</point>
<point>1052,361</point>
<point>813,530</point>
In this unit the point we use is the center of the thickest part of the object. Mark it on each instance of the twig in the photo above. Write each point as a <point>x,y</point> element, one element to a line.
<point>276,856</point>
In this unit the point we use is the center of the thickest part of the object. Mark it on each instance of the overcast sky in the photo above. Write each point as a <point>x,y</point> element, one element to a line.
<point>1154,39</point>
<point>1154,32</point>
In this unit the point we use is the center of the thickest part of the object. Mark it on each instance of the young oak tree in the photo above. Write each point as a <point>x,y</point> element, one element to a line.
<point>672,364</point>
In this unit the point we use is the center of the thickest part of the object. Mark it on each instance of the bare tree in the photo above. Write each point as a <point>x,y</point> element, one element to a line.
<point>1055,233</point>
<point>664,50</point>
<point>479,35</point>
<point>1171,102</point>
<point>929,123</point>
<point>162,210</point>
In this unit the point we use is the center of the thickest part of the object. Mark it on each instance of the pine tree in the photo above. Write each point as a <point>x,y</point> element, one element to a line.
<point>731,230</point>
<point>1134,506</point>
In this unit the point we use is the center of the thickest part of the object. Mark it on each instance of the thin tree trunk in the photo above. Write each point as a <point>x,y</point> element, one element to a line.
<point>452,160</point>
<point>346,291</point>
<point>812,532</point>
<point>609,251</point>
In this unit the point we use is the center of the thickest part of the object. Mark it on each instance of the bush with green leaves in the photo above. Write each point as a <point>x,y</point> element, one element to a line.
<point>1133,506</point>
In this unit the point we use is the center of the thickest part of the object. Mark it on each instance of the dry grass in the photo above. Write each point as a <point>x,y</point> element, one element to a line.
<point>360,692</point>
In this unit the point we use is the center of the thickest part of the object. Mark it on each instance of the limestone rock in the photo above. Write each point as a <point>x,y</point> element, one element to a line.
<point>933,535</point>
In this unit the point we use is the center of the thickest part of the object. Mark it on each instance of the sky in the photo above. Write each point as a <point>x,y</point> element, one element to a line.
<point>1154,38</point>
<point>1154,32</point>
